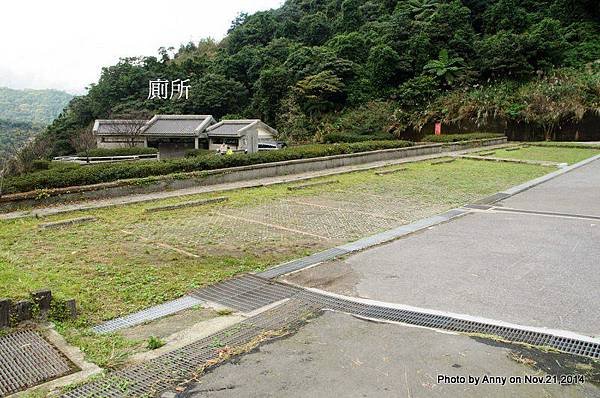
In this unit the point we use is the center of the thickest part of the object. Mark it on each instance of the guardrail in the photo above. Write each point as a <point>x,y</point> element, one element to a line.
<point>105,159</point>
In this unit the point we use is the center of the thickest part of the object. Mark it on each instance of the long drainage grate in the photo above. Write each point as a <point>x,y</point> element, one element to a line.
<point>187,363</point>
<point>26,360</point>
<point>245,293</point>
<point>149,314</point>
<point>576,346</point>
<point>263,290</point>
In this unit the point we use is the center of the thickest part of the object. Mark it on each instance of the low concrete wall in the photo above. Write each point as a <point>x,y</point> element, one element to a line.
<point>233,174</point>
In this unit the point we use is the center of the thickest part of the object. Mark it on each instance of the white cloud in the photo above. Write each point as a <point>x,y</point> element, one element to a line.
<point>63,44</point>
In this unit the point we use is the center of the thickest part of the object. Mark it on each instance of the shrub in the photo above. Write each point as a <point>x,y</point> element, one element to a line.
<point>370,121</point>
<point>199,152</point>
<point>460,137</point>
<point>118,151</point>
<point>40,164</point>
<point>331,138</point>
<point>154,343</point>
<point>99,173</point>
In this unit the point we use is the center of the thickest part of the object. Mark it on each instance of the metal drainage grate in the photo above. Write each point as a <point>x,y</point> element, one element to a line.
<point>533,337</point>
<point>149,314</point>
<point>304,262</point>
<point>245,293</point>
<point>169,370</point>
<point>26,360</point>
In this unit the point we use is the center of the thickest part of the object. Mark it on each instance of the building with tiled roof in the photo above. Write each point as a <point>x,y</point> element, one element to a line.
<point>174,135</point>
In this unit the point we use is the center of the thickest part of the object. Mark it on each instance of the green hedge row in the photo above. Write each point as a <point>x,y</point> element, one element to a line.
<point>460,137</point>
<point>94,174</point>
<point>331,138</point>
<point>118,151</point>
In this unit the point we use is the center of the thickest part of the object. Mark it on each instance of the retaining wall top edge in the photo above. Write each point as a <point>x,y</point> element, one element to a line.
<point>120,183</point>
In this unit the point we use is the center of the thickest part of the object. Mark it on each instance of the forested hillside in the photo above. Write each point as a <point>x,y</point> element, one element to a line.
<point>352,70</point>
<point>32,106</point>
<point>24,113</point>
<point>14,134</point>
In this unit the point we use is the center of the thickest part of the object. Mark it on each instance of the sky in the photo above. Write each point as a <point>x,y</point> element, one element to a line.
<point>63,44</point>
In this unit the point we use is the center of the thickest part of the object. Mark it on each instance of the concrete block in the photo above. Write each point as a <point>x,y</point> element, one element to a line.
<point>64,223</point>
<point>42,298</point>
<point>191,203</point>
<point>4,312</point>
<point>71,308</point>
<point>22,311</point>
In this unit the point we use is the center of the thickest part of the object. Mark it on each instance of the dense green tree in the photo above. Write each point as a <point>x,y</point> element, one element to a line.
<point>445,67</point>
<point>270,88</point>
<point>492,54</point>
<point>382,64</point>
<point>508,15</point>
<point>320,93</point>
<point>216,95</point>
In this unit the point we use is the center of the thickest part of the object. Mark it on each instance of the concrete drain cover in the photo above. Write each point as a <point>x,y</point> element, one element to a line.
<point>26,360</point>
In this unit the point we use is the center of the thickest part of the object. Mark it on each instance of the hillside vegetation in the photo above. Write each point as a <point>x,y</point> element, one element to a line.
<point>38,107</point>
<point>352,70</point>
<point>24,113</point>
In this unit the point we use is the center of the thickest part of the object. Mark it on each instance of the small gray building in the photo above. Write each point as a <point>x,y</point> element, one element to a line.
<point>240,135</point>
<point>174,135</point>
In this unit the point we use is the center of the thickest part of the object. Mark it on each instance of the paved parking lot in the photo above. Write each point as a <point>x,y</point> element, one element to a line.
<point>529,269</point>
<point>576,192</point>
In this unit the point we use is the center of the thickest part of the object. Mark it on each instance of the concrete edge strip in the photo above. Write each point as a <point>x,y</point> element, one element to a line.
<point>200,202</point>
<point>64,223</point>
<point>509,160</point>
<point>468,318</point>
<point>311,185</point>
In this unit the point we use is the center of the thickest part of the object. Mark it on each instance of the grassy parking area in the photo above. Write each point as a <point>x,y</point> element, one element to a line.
<point>129,259</point>
<point>564,154</point>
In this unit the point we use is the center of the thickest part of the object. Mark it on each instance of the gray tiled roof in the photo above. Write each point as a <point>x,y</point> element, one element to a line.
<point>229,128</point>
<point>177,125</point>
<point>116,126</point>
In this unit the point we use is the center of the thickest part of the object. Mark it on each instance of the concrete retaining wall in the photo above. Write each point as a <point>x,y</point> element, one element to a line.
<point>233,174</point>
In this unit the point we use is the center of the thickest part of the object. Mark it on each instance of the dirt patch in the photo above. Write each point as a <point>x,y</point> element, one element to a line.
<point>333,276</point>
<point>166,326</point>
<point>550,362</point>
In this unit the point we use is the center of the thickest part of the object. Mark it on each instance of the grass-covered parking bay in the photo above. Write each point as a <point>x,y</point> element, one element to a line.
<point>558,154</point>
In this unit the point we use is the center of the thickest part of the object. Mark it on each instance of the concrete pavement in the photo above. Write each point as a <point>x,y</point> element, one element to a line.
<point>338,355</point>
<point>529,269</point>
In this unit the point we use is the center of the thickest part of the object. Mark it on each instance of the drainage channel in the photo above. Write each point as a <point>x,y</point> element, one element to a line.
<point>187,363</point>
<point>574,345</point>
